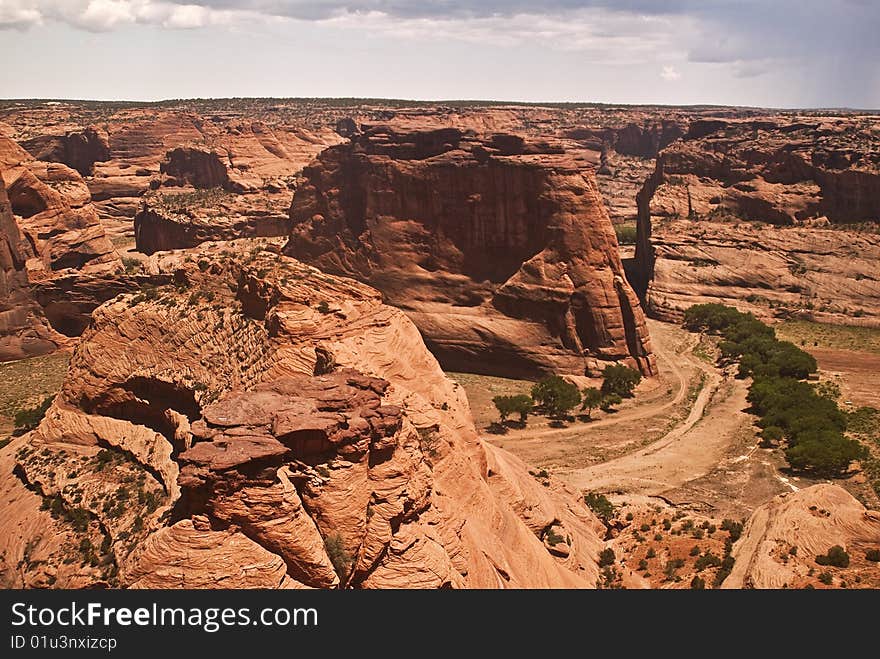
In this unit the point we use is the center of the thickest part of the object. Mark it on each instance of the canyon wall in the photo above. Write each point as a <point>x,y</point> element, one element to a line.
<point>497,247</point>
<point>774,215</point>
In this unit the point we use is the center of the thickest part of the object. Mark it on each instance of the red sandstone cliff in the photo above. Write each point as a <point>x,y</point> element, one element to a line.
<point>498,248</point>
<point>262,413</point>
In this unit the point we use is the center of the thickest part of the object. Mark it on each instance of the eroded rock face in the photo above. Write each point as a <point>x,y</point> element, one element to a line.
<point>54,212</point>
<point>49,230</point>
<point>24,331</point>
<point>498,248</point>
<point>708,219</point>
<point>783,538</point>
<point>179,219</point>
<point>262,412</point>
<point>78,149</point>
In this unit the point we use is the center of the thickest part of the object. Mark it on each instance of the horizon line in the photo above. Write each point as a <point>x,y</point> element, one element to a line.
<point>462,101</point>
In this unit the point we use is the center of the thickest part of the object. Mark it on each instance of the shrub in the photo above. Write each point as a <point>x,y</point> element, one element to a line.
<point>645,528</point>
<point>557,396</point>
<point>707,560</point>
<point>600,505</point>
<point>873,555</point>
<point>836,557</point>
<point>826,578</point>
<point>620,380</point>
<point>323,307</point>
<point>27,420</point>
<point>735,529</point>
<point>643,565</point>
<point>651,553</point>
<point>338,556</point>
<point>606,557</point>
<point>697,583</point>
<point>695,550</point>
<point>626,233</point>
<point>771,436</point>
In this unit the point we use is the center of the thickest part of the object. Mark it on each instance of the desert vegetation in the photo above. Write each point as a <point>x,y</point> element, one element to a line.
<point>811,425</point>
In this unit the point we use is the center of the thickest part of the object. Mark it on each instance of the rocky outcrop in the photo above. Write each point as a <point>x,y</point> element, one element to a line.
<point>179,219</point>
<point>195,167</point>
<point>50,230</point>
<point>263,413</point>
<point>55,214</point>
<point>783,538</point>
<point>708,217</point>
<point>644,140</point>
<point>498,248</point>
<point>24,331</point>
<point>79,149</point>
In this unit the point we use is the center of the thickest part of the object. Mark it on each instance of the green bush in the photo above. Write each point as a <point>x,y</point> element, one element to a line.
<point>836,557</point>
<point>626,233</point>
<point>873,555</point>
<point>600,505</point>
<point>735,529</point>
<point>697,583</point>
<point>826,578</point>
<point>557,396</point>
<point>807,417</point>
<point>620,380</point>
<point>338,556</point>
<point>606,557</point>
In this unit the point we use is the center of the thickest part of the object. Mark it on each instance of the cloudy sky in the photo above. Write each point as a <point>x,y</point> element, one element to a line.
<point>774,53</point>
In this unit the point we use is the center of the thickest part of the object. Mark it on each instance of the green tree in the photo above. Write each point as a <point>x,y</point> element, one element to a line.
<point>592,398</point>
<point>557,396</point>
<point>620,380</point>
<point>523,405</point>
<point>609,402</point>
<point>505,406</point>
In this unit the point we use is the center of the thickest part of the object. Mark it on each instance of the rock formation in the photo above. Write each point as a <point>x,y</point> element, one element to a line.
<point>24,331</point>
<point>498,248</point>
<point>263,413</point>
<point>783,538</point>
<point>50,231</point>
<point>178,219</point>
<point>78,149</point>
<point>764,213</point>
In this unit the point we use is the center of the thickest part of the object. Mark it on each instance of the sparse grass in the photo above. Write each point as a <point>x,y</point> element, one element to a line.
<point>182,202</point>
<point>27,383</point>
<point>841,337</point>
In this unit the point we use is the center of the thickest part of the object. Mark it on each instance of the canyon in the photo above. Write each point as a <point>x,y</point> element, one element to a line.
<point>283,322</point>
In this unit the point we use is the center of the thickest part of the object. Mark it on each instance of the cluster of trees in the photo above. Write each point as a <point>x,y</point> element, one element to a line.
<point>790,410</point>
<point>556,397</point>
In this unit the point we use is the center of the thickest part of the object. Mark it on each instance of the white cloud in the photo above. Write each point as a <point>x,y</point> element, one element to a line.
<point>104,15</point>
<point>670,74</point>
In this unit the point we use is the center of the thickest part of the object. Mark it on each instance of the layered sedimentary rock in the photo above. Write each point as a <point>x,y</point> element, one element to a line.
<point>24,331</point>
<point>54,212</point>
<point>263,413</point>
<point>783,539</point>
<point>178,219</point>
<point>50,230</point>
<point>766,214</point>
<point>78,149</point>
<point>497,247</point>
